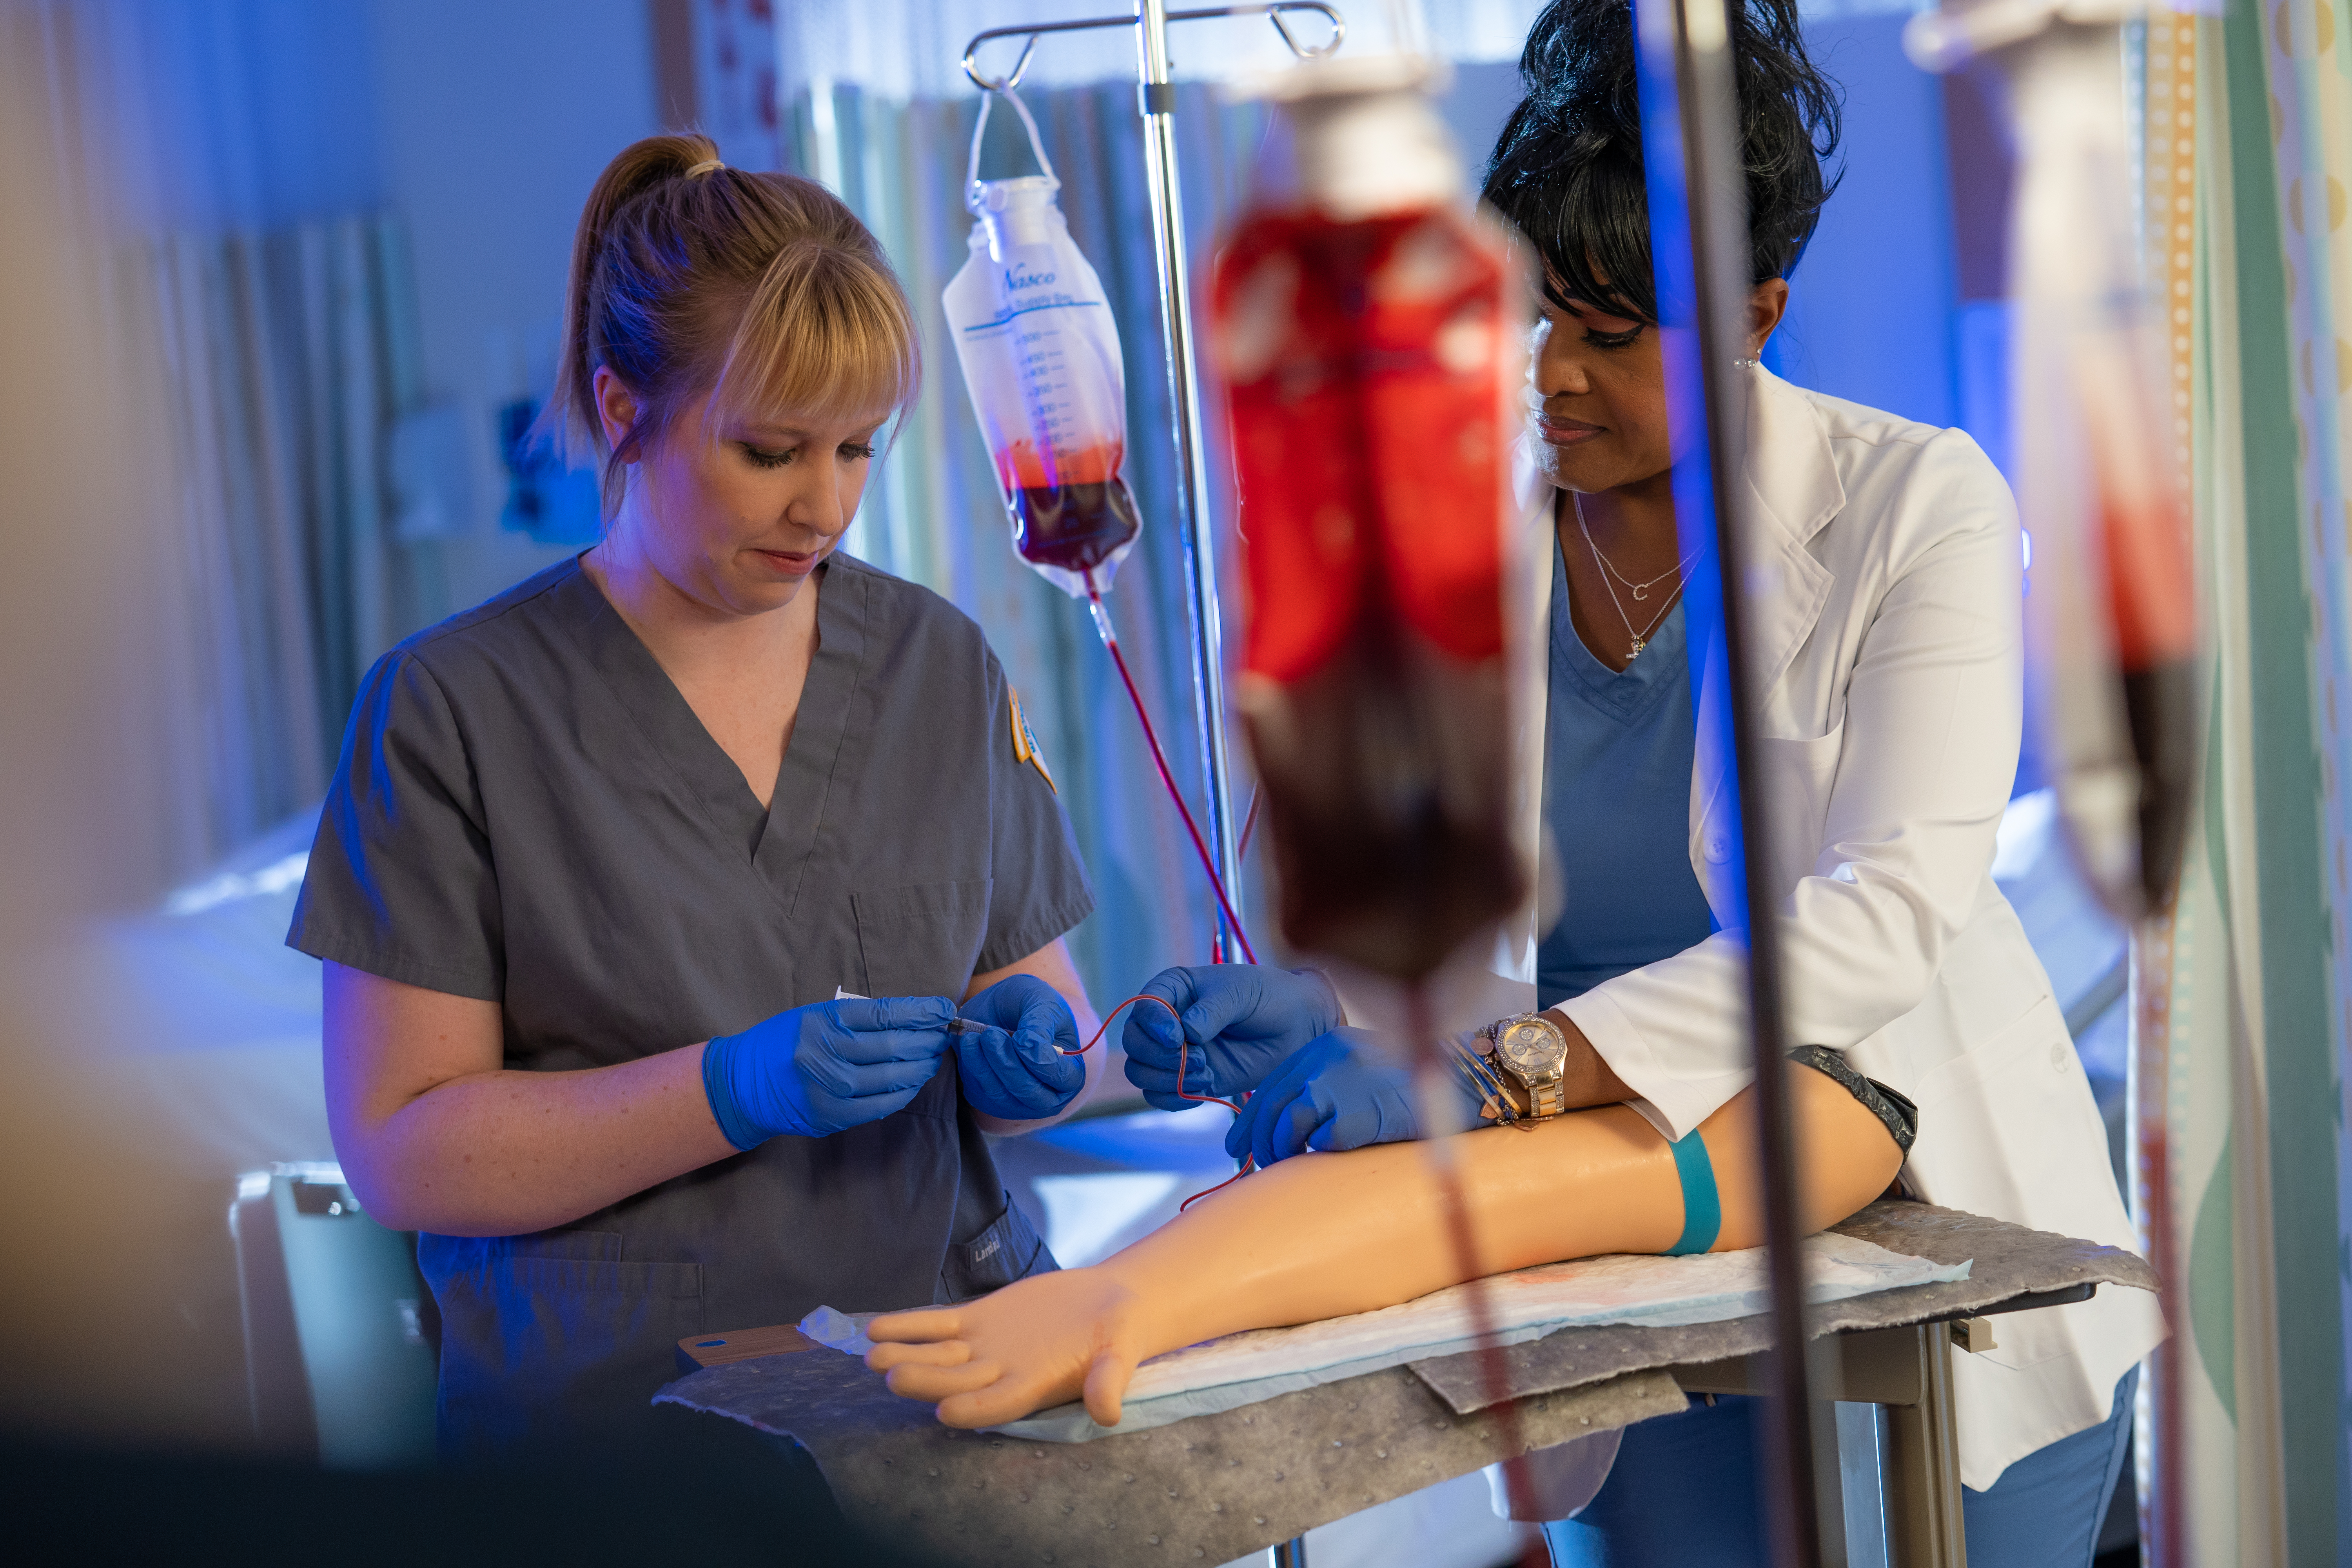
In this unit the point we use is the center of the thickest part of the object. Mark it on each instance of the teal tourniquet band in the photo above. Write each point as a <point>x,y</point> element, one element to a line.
<point>1701,1210</point>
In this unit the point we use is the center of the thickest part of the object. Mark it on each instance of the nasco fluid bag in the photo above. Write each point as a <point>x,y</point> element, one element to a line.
<point>1040,355</point>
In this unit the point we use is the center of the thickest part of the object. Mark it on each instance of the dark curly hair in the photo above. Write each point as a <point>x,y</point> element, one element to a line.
<point>1567,170</point>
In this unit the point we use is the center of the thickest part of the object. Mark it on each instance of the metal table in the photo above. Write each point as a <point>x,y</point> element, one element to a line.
<point>1214,1487</point>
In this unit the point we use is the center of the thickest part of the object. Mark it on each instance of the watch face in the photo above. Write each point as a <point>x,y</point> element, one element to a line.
<point>1531,1050</point>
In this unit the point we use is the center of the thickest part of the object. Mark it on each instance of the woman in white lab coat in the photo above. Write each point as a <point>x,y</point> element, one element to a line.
<point>1884,598</point>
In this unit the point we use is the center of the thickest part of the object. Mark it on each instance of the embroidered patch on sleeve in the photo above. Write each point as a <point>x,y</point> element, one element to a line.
<point>1025,743</point>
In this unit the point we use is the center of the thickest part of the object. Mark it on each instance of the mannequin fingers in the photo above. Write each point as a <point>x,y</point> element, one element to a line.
<point>933,1383</point>
<point>921,1326</point>
<point>936,1352</point>
<point>1105,1386</point>
<point>1009,1398</point>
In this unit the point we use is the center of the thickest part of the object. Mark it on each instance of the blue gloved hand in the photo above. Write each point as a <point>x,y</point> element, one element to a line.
<point>820,1069</point>
<point>1013,1068</point>
<point>1344,1090</point>
<point>1239,1021</point>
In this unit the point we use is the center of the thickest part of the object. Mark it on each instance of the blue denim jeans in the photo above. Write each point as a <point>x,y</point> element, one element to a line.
<point>1683,1495</point>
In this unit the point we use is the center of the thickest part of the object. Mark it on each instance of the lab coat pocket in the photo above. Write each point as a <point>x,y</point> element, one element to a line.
<point>1798,774</point>
<point>2009,1129</point>
<point>922,941</point>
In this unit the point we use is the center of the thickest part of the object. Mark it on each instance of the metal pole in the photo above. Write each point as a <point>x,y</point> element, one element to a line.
<point>1158,102</point>
<point>1689,89</point>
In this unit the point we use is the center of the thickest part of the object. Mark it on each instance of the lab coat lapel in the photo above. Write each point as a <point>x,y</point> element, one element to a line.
<point>1792,492</point>
<point>1529,561</point>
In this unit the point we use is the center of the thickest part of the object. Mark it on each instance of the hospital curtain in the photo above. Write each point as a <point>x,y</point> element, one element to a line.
<point>2241,993</point>
<point>281,386</point>
<point>260,307</point>
<point>933,515</point>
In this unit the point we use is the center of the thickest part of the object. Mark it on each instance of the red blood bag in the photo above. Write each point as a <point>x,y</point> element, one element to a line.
<point>1363,330</point>
<point>1040,355</point>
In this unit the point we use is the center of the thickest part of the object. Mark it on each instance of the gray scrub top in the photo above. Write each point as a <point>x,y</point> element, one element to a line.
<point>528,812</point>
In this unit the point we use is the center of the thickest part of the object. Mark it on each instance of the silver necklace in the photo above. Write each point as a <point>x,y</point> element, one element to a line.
<point>1641,591</point>
<point>1641,638</point>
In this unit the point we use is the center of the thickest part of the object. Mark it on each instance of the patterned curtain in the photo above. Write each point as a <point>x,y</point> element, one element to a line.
<point>934,516</point>
<point>2241,993</point>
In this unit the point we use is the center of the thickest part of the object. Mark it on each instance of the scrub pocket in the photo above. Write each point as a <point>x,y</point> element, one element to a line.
<point>547,1340</point>
<point>1009,1249</point>
<point>922,941</point>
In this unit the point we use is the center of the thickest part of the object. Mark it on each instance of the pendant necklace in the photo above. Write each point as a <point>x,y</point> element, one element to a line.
<point>1642,636</point>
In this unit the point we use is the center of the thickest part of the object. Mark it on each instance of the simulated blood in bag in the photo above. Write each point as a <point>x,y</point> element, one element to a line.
<point>1074,525</point>
<point>1033,333</point>
<point>1367,360</point>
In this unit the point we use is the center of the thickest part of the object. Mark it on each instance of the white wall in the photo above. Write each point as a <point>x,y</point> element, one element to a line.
<point>495,119</point>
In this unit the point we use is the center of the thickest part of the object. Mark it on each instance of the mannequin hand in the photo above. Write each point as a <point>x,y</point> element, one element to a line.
<point>1013,1068</point>
<point>1037,1342</point>
<point>1343,1091</point>
<point>1239,1021</point>
<point>821,1068</point>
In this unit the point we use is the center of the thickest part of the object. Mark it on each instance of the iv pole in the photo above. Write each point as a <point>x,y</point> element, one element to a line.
<point>1157,103</point>
<point>1691,141</point>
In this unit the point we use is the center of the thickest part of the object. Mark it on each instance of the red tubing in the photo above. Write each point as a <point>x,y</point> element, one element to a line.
<point>1159,759</point>
<point>1493,1372</point>
<point>1183,1050</point>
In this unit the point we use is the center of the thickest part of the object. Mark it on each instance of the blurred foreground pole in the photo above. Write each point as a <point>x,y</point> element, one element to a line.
<point>1699,243</point>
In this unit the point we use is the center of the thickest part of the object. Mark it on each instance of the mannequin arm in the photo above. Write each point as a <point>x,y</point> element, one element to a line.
<point>1326,1234</point>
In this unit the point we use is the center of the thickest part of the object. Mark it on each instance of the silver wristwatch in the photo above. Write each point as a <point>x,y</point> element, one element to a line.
<point>1530,1051</point>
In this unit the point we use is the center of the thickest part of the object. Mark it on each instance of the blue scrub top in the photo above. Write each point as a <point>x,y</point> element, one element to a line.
<point>1618,750</point>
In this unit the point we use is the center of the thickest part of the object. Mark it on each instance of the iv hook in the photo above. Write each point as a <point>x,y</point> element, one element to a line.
<point>1032,32</point>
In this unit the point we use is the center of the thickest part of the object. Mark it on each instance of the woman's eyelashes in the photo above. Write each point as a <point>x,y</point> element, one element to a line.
<point>1558,320</point>
<point>761,457</point>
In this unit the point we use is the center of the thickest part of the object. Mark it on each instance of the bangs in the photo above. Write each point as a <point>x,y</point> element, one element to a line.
<point>823,330</point>
<point>1589,220</point>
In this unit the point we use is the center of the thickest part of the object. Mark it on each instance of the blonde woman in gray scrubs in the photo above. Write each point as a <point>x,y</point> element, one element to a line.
<point>601,853</point>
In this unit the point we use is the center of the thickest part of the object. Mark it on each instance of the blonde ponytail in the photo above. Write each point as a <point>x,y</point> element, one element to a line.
<point>688,276</point>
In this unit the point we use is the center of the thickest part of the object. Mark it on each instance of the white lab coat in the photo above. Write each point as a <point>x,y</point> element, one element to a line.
<point>1886,596</point>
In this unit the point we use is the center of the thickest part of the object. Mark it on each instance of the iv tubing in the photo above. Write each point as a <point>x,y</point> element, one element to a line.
<point>1428,1076</point>
<point>1183,1051</point>
<point>1208,861</point>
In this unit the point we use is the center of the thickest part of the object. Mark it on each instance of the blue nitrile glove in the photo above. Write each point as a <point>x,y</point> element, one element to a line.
<point>820,1069</point>
<point>1013,1068</point>
<point>1240,1020</point>
<point>1342,1092</point>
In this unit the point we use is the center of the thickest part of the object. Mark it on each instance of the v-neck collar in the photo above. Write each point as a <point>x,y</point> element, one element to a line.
<point>1625,695</point>
<point>776,841</point>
